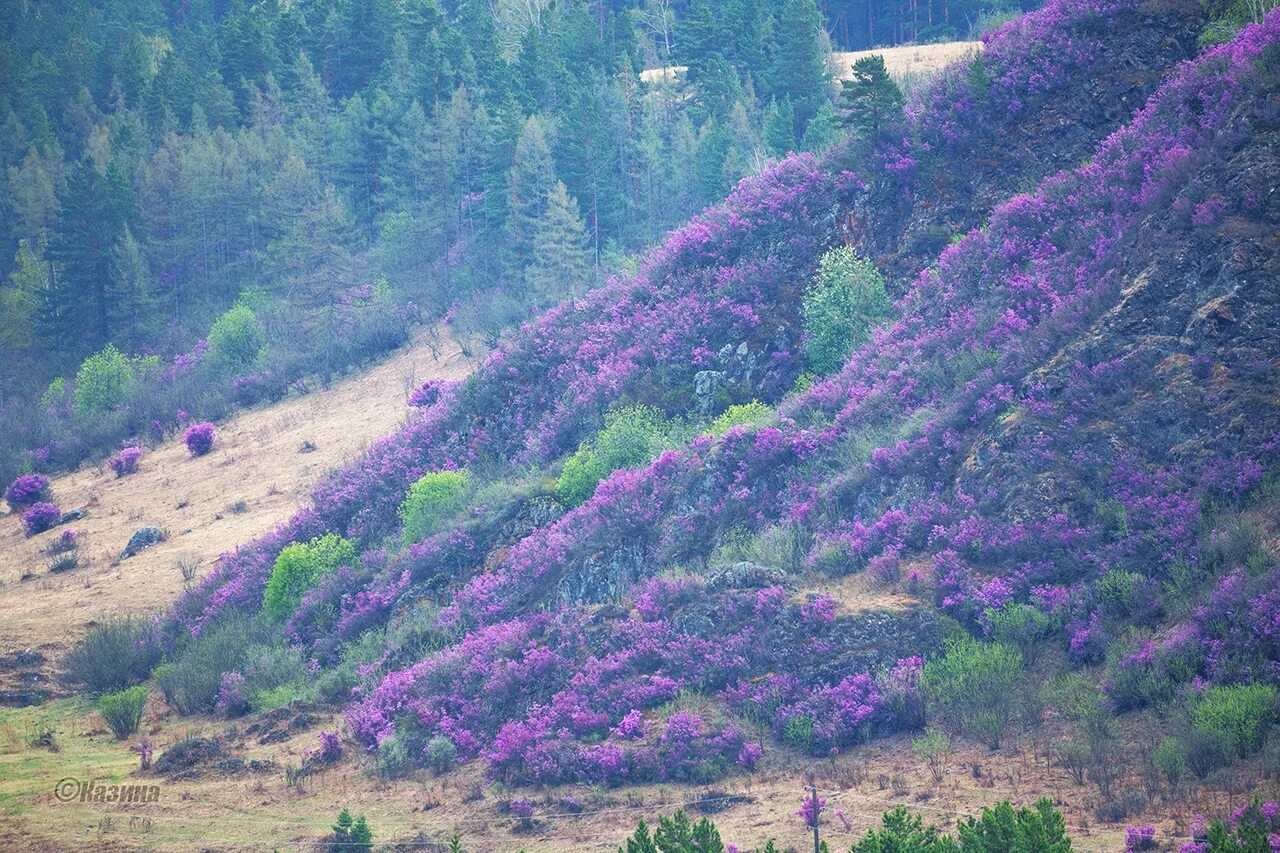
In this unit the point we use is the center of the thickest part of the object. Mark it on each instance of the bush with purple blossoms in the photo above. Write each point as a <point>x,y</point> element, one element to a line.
<point>40,517</point>
<point>27,490</point>
<point>199,438</point>
<point>126,461</point>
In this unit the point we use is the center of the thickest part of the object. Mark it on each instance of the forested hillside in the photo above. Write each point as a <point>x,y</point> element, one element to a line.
<point>338,171</point>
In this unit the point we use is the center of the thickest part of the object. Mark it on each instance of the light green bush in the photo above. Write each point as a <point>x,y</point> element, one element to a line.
<point>1022,626</point>
<point>123,711</point>
<point>441,754</point>
<point>55,394</point>
<point>299,567</point>
<point>102,382</point>
<point>933,747</point>
<point>1239,713</point>
<point>236,339</point>
<point>632,435</point>
<point>1117,591</point>
<point>432,502</point>
<point>754,413</point>
<point>974,686</point>
<point>845,300</point>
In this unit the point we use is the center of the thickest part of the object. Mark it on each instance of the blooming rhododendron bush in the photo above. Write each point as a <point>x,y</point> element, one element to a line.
<point>1056,438</point>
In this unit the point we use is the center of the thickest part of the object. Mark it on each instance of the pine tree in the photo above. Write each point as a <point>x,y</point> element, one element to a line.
<point>561,263</point>
<point>77,313</point>
<point>871,99</point>
<point>361,836</point>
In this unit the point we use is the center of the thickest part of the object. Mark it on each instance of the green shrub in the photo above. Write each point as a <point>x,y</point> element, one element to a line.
<point>113,655</point>
<point>1171,760</point>
<point>432,502</point>
<point>441,754</point>
<point>1206,750</point>
<point>1240,713</point>
<point>56,394</point>
<point>236,340</point>
<point>190,681</point>
<point>393,759</point>
<point>631,436</point>
<point>582,472</point>
<point>754,413</point>
<point>1022,626</point>
<point>1112,517</point>
<point>933,747</point>
<point>798,731</point>
<point>123,711</point>
<point>268,699</point>
<point>841,305</point>
<point>974,687</point>
<point>1117,591</point>
<point>102,382</point>
<point>274,676</point>
<point>299,567</point>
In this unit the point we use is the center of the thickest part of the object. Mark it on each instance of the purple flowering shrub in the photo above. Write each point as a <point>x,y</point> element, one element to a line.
<point>126,461</point>
<point>1252,827</point>
<point>433,391</point>
<point>543,705</point>
<point>40,517</point>
<point>26,491</point>
<point>328,751</point>
<point>199,438</point>
<point>1138,838</point>
<point>811,808</point>
<point>68,540</point>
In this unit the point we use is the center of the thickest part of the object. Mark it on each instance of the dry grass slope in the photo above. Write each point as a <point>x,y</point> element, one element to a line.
<point>256,477</point>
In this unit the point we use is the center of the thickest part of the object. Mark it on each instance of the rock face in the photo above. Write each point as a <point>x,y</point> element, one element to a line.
<point>1192,342</point>
<point>1015,151</point>
<point>744,576</point>
<point>143,538</point>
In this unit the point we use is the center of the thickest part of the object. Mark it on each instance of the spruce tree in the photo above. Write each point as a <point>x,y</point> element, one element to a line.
<point>779,127</point>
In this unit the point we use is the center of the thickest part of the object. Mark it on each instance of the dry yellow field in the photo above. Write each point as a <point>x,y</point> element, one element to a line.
<point>907,62</point>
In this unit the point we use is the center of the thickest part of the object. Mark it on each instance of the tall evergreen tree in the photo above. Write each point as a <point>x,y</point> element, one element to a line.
<point>77,313</point>
<point>871,99</point>
<point>779,127</point>
<point>532,178</point>
<point>561,262</point>
<point>798,64</point>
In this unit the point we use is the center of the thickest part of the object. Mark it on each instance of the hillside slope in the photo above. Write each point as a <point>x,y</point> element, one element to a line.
<point>1069,419</point>
<point>259,460</point>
